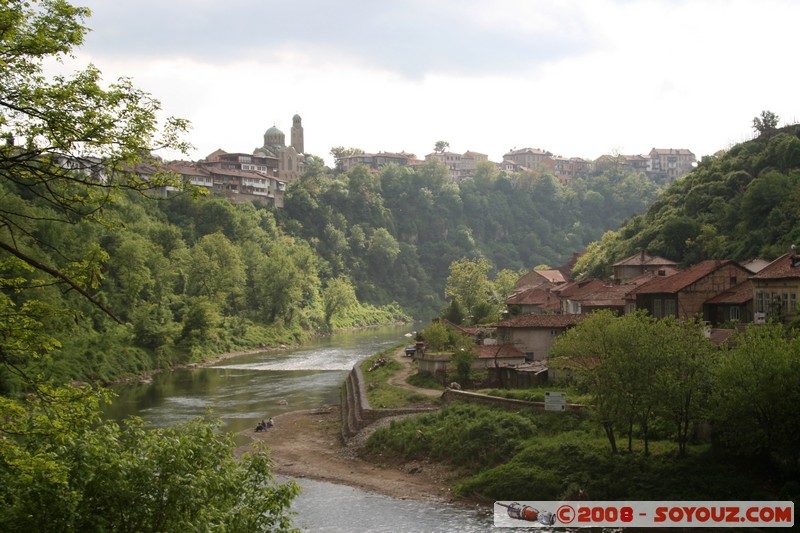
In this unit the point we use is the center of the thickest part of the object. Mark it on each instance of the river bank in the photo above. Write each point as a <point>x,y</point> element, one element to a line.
<point>309,444</point>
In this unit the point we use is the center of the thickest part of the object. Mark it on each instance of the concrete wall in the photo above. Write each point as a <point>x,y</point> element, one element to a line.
<point>356,411</point>
<point>452,395</point>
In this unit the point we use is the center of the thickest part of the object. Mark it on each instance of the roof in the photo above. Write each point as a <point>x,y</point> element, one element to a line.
<point>605,296</point>
<point>540,321</point>
<point>755,265</point>
<point>682,279</point>
<point>645,259</point>
<point>781,268</point>
<point>501,351</point>
<point>552,275</point>
<point>537,151</point>
<point>671,151</point>
<point>529,296</point>
<point>573,288</point>
<point>736,295</point>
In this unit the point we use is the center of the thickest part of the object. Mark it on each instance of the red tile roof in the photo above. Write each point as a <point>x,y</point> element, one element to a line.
<point>540,321</point>
<point>781,268</point>
<point>502,351</point>
<point>736,295</point>
<point>534,296</point>
<point>645,259</point>
<point>682,279</point>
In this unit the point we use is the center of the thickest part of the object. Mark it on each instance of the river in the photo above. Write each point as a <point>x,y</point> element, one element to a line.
<point>237,391</point>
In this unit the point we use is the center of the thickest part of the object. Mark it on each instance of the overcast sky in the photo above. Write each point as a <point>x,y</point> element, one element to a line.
<point>575,77</point>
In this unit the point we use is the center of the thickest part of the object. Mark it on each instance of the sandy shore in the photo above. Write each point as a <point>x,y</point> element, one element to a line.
<point>309,444</point>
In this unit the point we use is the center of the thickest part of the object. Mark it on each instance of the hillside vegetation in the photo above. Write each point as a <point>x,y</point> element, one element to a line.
<point>737,205</point>
<point>178,280</point>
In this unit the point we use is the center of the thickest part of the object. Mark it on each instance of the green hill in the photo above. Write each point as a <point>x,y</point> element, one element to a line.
<point>737,205</point>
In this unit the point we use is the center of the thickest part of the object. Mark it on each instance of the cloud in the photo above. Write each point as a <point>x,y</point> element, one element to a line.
<point>411,37</point>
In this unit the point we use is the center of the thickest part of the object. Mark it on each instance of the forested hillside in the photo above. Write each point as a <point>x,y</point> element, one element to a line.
<point>396,232</point>
<point>176,280</point>
<point>737,205</point>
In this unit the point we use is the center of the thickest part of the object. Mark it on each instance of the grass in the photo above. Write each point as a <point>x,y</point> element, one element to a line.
<point>550,456</point>
<point>381,394</point>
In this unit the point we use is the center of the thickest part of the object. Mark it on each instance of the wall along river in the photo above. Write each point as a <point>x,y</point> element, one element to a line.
<point>245,389</point>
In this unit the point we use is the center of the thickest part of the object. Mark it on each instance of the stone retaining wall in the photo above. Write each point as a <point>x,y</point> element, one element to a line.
<point>356,411</point>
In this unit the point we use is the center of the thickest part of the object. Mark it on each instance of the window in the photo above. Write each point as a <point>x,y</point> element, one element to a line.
<point>669,307</point>
<point>759,301</point>
<point>657,309</point>
<point>733,314</point>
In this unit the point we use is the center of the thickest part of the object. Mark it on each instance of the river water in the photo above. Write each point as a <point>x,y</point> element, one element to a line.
<point>248,388</point>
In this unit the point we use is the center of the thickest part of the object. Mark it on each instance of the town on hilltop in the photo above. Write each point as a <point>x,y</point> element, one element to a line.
<point>262,176</point>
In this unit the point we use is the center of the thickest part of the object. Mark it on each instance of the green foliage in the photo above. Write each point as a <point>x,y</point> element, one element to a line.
<point>735,205</point>
<point>63,469</point>
<point>754,408</point>
<point>380,393</point>
<point>460,434</point>
<point>437,336</point>
<point>640,371</point>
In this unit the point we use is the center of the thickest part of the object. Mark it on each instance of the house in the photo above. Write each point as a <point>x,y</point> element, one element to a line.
<point>668,164</point>
<point>537,278</point>
<point>776,289</point>
<point>376,161</point>
<point>530,158</point>
<point>566,168</point>
<point>537,300</point>
<point>533,334</point>
<point>684,293</point>
<point>638,264</point>
<point>229,181</point>
<point>451,160</point>
<point>570,294</point>
<point>732,305</point>
<point>497,356</point>
<point>469,163</point>
<point>631,284</point>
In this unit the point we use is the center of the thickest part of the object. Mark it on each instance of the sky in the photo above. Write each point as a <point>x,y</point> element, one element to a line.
<point>579,78</point>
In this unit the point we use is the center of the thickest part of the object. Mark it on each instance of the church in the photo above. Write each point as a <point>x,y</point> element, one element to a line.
<point>291,159</point>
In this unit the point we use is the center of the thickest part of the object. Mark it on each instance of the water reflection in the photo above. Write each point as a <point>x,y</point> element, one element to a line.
<point>248,388</point>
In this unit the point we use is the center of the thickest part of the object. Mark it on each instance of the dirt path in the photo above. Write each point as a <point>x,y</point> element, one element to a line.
<point>409,367</point>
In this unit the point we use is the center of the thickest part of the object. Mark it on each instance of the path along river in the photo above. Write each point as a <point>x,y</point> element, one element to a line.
<point>248,388</point>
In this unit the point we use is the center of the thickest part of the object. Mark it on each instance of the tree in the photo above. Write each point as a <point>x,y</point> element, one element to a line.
<point>339,153</point>
<point>338,297</point>
<point>468,283</point>
<point>73,471</point>
<point>436,336</point>
<point>71,144</point>
<point>756,384</point>
<point>72,148</point>
<point>441,146</point>
<point>766,123</point>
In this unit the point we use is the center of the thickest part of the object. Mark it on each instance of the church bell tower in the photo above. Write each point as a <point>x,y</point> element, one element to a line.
<point>297,135</point>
